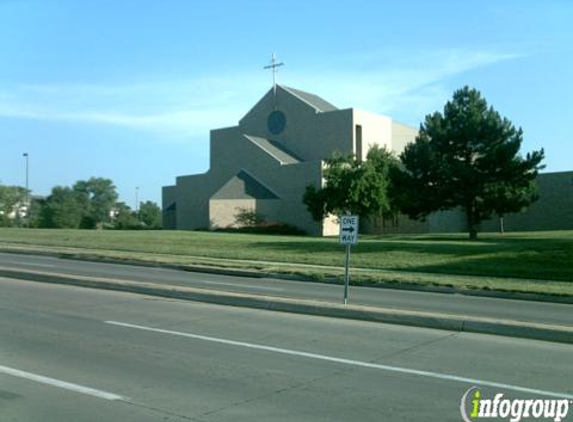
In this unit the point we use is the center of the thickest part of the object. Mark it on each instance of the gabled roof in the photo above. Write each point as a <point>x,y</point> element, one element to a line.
<point>244,186</point>
<point>274,149</point>
<point>315,101</point>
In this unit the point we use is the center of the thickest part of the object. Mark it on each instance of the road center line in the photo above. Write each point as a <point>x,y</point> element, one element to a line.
<point>37,265</point>
<point>427,374</point>
<point>29,264</point>
<point>60,384</point>
<point>247,286</point>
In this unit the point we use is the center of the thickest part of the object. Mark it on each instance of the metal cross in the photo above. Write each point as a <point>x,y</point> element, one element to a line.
<point>274,65</point>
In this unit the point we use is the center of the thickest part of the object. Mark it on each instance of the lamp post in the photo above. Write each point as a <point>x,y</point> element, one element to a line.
<point>28,204</point>
<point>137,203</point>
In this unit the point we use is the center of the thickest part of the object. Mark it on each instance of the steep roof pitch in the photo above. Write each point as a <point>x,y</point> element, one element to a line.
<point>275,150</point>
<point>320,104</point>
<point>315,102</point>
<point>244,186</point>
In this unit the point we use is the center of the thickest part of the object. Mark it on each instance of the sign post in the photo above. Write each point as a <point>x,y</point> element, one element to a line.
<point>348,236</point>
<point>346,278</point>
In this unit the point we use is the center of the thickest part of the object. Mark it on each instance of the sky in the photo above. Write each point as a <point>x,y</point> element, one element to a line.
<point>129,90</point>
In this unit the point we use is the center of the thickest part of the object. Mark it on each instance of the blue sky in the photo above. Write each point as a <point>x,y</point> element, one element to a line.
<point>130,89</point>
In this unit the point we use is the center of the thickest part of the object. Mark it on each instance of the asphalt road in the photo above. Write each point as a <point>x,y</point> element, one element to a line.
<point>76,354</point>
<point>445,303</point>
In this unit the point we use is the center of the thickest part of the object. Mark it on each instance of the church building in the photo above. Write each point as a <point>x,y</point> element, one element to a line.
<point>266,162</point>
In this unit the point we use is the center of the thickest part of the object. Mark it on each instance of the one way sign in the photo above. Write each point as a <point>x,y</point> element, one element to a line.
<point>349,230</point>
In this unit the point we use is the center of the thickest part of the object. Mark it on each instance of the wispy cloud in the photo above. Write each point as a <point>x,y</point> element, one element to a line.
<point>177,109</point>
<point>401,85</point>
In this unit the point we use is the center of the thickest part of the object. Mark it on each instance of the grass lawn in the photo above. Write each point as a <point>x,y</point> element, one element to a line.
<point>527,261</point>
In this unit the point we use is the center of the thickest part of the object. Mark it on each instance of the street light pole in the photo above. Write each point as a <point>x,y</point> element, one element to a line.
<point>137,203</point>
<point>28,204</point>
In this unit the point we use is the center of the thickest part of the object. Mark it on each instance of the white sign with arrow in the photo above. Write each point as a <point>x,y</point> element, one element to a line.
<point>349,230</point>
<point>348,237</point>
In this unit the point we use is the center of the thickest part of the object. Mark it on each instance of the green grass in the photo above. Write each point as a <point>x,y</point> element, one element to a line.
<point>529,261</point>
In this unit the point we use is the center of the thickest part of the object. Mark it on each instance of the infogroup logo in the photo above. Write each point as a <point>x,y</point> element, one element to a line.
<point>514,410</point>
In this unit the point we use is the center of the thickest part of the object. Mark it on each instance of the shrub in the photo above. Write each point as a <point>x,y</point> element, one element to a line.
<point>249,218</point>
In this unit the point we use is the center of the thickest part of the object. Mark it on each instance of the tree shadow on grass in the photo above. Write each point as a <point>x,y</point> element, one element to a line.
<point>453,244</point>
<point>376,247</point>
<point>502,267</point>
<point>525,238</point>
<point>532,258</point>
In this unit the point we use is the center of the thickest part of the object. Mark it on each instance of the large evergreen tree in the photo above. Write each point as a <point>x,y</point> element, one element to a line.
<point>467,157</point>
<point>353,186</point>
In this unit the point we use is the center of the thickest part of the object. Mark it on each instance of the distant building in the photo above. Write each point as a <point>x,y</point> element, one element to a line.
<point>278,148</point>
<point>553,211</point>
<point>20,211</point>
<point>265,163</point>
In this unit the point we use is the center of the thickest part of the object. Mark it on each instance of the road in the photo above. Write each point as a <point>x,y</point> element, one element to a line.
<point>445,303</point>
<point>76,354</point>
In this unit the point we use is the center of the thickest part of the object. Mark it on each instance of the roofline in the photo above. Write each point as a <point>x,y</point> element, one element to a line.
<point>417,129</point>
<point>254,106</point>
<point>289,90</point>
<point>282,163</point>
<point>262,183</point>
<point>563,172</point>
<point>242,169</point>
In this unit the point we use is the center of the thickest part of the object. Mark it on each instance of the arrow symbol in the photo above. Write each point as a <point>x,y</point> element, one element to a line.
<point>348,229</point>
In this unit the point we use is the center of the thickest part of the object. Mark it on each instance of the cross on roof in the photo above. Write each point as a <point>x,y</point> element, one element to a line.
<point>273,66</point>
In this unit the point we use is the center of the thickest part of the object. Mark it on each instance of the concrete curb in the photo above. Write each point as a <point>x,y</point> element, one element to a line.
<point>236,272</point>
<point>459,323</point>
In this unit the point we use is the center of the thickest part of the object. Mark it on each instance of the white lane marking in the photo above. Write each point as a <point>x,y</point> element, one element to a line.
<point>248,286</point>
<point>39,265</point>
<point>60,384</point>
<point>215,283</point>
<point>363,364</point>
<point>28,264</point>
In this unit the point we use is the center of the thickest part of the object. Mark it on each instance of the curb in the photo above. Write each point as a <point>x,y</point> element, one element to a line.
<point>236,272</point>
<point>560,334</point>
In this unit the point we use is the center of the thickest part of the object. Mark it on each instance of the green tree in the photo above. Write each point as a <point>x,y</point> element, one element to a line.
<point>36,207</point>
<point>123,217</point>
<point>467,157</point>
<point>98,197</point>
<point>354,186</point>
<point>150,215</point>
<point>64,208</point>
<point>10,199</point>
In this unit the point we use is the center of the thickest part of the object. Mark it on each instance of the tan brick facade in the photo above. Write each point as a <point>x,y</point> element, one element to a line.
<point>267,161</point>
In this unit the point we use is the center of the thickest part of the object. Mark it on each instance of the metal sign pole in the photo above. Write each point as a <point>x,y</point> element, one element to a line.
<point>346,277</point>
<point>348,236</point>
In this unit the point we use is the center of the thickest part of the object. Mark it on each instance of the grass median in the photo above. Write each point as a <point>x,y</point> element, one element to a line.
<point>536,262</point>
